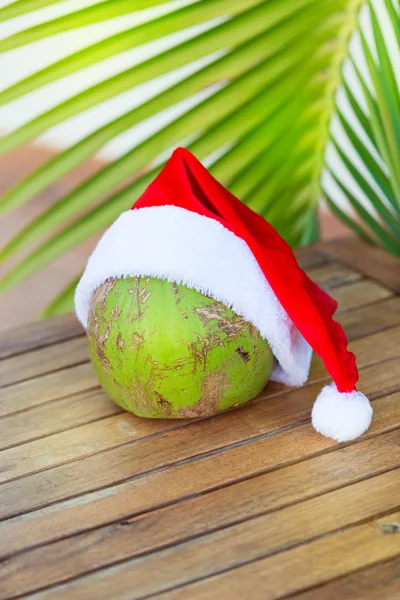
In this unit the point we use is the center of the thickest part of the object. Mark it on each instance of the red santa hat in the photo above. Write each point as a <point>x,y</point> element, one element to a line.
<point>187,228</point>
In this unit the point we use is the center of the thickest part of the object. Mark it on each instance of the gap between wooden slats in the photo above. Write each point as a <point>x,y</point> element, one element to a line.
<point>117,464</point>
<point>222,507</point>
<point>379,582</point>
<point>29,394</point>
<point>38,334</point>
<point>187,478</point>
<point>369,260</point>
<point>45,360</point>
<point>268,535</point>
<point>284,573</point>
<point>82,408</point>
<point>259,418</point>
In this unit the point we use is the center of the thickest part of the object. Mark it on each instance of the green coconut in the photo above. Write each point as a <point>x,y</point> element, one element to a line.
<point>162,350</point>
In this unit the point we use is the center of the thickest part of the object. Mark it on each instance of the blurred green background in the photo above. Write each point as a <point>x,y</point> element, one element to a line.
<point>289,103</point>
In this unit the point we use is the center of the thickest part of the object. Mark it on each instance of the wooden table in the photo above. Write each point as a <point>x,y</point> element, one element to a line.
<point>252,504</point>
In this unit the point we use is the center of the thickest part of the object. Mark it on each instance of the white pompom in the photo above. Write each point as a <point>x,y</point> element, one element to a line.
<point>341,416</point>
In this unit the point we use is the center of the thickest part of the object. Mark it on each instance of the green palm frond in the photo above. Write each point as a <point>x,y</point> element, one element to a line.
<point>362,179</point>
<point>262,81</point>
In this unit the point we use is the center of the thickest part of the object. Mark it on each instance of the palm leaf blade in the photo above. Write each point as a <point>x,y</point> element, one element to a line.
<point>377,172</point>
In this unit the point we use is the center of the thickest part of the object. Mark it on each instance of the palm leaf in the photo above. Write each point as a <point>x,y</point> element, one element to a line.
<point>256,105</point>
<point>102,11</point>
<point>367,144</point>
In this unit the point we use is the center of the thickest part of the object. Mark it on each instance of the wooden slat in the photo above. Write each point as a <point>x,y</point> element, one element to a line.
<point>368,350</point>
<point>53,386</point>
<point>121,429</point>
<point>380,582</point>
<point>106,469</point>
<point>214,552</point>
<point>333,275</point>
<point>370,319</point>
<point>221,507</point>
<point>47,359</point>
<point>47,419</point>
<point>43,422</point>
<point>38,334</point>
<point>359,294</point>
<point>268,579</point>
<point>366,259</point>
<point>187,478</point>
<point>86,440</point>
<point>311,256</point>
<point>148,454</point>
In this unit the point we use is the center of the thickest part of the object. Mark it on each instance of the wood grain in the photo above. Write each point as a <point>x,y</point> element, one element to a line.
<point>333,275</point>
<point>171,447</point>
<point>34,335</point>
<point>366,259</point>
<point>120,429</point>
<point>165,450</point>
<point>222,506</point>
<point>370,319</point>
<point>311,256</point>
<point>209,472</point>
<point>38,362</point>
<point>358,294</point>
<point>213,552</point>
<point>252,538</point>
<point>51,387</point>
<point>380,582</point>
<point>253,503</point>
<point>47,420</point>
<point>267,579</point>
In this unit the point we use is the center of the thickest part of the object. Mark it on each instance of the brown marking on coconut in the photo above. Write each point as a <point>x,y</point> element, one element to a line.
<point>245,356</point>
<point>163,404</point>
<point>137,341</point>
<point>214,386</point>
<point>100,340</point>
<point>141,295</point>
<point>144,295</point>
<point>96,319</point>
<point>120,341</point>
<point>101,293</point>
<point>170,367</point>
<point>115,313</point>
<point>179,296</point>
<point>199,350</point>
<point>142,394</point>
<point>232,325</point>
